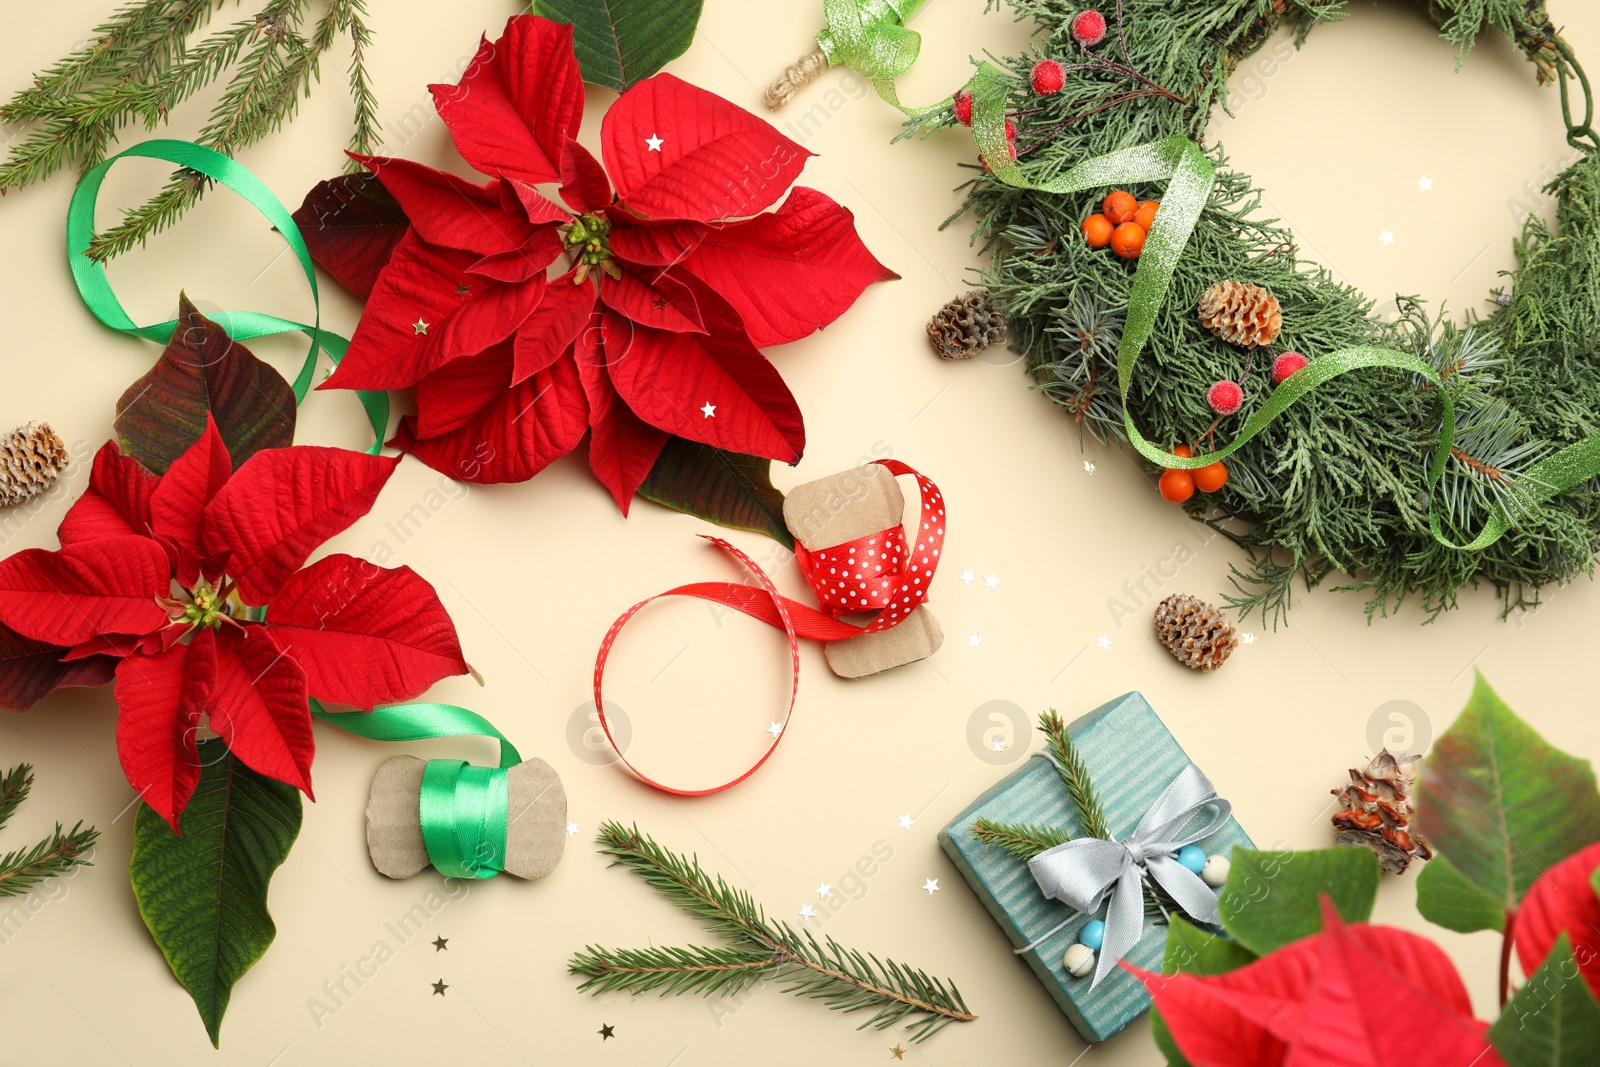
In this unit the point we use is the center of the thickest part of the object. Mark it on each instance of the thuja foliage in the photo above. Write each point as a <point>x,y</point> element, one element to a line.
<point>756,950</point>
<point>23,868</point>
<point>1338,485</point>
<point>141,63</point>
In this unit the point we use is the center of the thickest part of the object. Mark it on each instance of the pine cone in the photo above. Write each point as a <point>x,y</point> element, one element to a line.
<point>1378,811</point>
<point>1241,314</point>
<point>32,457</point>
<point>967,325</point>
<point>1194,632</point>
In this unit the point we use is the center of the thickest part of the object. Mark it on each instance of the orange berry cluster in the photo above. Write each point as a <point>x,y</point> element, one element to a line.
<point>1123,223</point>
<point>1178,486</point>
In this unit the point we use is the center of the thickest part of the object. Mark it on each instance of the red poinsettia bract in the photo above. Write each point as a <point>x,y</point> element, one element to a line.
<point>676,275</point>
<point>195,585</point>
<point>1352,996</point>
<point>1562,901</point>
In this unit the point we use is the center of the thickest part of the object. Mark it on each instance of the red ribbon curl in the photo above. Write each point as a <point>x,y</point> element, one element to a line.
<point>873,573</point>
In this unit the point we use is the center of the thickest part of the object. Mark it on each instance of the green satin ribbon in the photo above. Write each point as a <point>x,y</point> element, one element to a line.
<point>1190,177</point>
<point>464,809</point>
<point>871,38</point>
<point>95,287</point>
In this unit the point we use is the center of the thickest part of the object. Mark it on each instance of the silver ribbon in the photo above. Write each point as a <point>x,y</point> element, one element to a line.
<point>1083,873</point>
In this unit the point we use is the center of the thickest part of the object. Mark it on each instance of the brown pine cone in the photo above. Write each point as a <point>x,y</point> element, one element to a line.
<point>1241,314</point>
<point>1194,632</point>
<point>1378,810</point>
<point>967,325</point>
<point>32,457</point>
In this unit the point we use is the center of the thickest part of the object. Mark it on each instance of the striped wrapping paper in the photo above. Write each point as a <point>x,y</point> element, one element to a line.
<point>1132,758</point>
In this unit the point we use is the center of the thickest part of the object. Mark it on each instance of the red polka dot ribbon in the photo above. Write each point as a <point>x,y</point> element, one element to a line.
<point>873,573</point>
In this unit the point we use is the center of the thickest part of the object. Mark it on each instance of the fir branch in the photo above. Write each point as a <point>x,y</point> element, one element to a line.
<point>22,869</point>
<point>1022,840</point>
<point>759,950</point>
<point>1075,776</point>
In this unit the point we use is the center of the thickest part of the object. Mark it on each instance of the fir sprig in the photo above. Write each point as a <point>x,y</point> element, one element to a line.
<point>22,869</point>
<point>140,67</point>
<point>758,950</point>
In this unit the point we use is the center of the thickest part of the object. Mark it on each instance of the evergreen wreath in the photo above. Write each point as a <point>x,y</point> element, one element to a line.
<point>1339,483</point>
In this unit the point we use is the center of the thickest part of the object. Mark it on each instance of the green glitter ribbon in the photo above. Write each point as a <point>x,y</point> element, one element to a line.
<point>1190,178</point>
<point>871,38</point>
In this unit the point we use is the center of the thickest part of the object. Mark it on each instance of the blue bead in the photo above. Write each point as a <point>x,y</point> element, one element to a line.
<point>1192,857</point>
<point>1093,934</point>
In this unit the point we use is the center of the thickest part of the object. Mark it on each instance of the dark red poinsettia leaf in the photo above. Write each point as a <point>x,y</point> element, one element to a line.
<point>678,152</point>
<point>32,670</point>
<point>363,634</point>
<point>622,448</point>
<point>351,225</point>
<point>526,428</point>
<point>553,326</point>
<point>528,261</point>
<point>449,211</point>
<point>117,502</point>
<point>160,699</point>
<point>1563,900</point>
<point>653,298</point>
<point>716,388</point>
<point>259,707</point>
<point>423,290</point>
<point>584,185</point>
<point>653,244</point>
<point>453,395</point>
<point>539,209</point>
<point>518,102</point>
<point>791,272</point>
<point>107,585</point>
<point>204,372</point>
<point>284,503</point>
<point>185,490</point>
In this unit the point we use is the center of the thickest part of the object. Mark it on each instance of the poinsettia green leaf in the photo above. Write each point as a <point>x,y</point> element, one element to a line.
<point>1501,802</point>
<point>204,370</point>
<point>1273,898</point>
<point>204,895</point>
<point>1553,1020</point>
<point>1193,951</point>
<point>1448,898</point>
<point>622,42</point>
<point>726,488</point>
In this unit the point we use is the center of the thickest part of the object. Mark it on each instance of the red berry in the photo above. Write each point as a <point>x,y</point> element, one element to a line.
<point>1176,486</point>
<point>1225,397</point>
<point>963,107</point>
<point>1183,451</point>
<point>1211,477</point>
<point>1011,130</point>
<point>1048,77</point>
<point>1285,365</point>
<point>1089,28</point>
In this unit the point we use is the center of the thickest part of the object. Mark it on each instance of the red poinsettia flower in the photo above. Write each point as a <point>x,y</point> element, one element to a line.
<point>1351,996</point>
<point>673,281</point>
<point>195,585</point>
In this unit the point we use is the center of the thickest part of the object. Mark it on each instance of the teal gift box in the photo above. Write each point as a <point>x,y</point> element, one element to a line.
<point>1131,758</point>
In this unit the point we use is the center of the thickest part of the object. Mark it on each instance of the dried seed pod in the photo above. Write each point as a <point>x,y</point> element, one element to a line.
<point>1241,314</point>
<point>1194,632</point>
<point>32,457</point>
<point>1377,811</point>
<point>967,325</point>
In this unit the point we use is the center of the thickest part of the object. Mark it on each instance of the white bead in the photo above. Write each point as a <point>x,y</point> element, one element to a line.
<point>1079,960</point>
<point>1215,872</point>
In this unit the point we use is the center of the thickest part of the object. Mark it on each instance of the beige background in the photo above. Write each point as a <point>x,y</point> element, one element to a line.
<point>1339,135</point>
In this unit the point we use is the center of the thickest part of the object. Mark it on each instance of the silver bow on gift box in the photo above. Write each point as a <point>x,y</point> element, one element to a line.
<point>1083,873</point>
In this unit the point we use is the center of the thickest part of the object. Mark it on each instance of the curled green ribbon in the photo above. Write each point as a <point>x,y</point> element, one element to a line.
<point>464,809</point>
<point>871,38</point>
<point>95,287</point>
<point>1190,177</point>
